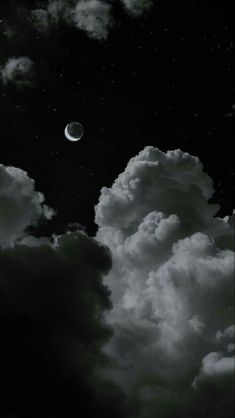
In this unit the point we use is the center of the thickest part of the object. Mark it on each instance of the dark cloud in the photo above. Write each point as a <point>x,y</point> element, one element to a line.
<point>52,304</point>
<point>51,313</point>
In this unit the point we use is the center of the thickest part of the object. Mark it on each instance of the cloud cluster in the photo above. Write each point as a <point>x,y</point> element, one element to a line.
<point>95,17</point>
<point>17,71</point>
<point>51,314</point>
<point>171,283</point>
<point>78,331</point>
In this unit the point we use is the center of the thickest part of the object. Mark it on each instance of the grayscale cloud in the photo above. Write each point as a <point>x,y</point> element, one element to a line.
<point>171,282</point>
<point>20,205</point>
<point>17,71</point>
<point>93,16</point>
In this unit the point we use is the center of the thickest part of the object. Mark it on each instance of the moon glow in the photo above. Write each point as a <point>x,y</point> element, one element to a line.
<point>74,131</point>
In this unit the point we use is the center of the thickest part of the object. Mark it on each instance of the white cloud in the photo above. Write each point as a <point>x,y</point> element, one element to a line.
<point>172,276</point>
<point>18,71</point>
<point>215,367</point>
<point>93,16</point>
<point>20,205</point>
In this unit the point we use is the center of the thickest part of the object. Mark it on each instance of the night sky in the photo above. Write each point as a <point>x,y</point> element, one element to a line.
<point>162,79</point>
<point>134,74</point>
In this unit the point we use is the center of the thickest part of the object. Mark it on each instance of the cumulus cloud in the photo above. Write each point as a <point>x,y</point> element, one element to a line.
<point>17,71</point>
<point>171,281</point>
<point>156,322</point>
<point>95,17</point>
<point>20,205</point>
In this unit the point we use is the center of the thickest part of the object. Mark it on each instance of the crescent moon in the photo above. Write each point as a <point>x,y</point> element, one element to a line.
<point>68,136</point>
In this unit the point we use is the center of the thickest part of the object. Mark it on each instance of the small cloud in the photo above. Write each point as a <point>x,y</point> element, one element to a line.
<point>94,17</point>
<point>137,7</point>
<point>215,367</point>
<point>46,18</point>
<point>40,19</point>
<point>20,205</point>
<point>18,71</point>
<point>230,114</point>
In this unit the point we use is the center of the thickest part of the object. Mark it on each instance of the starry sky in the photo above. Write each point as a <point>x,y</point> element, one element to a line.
<point>163,78</point>
<point>117,250</point>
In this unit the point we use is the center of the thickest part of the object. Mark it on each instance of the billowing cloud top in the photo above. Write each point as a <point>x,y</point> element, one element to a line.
<point>18,71</point>
<point>171,281</point>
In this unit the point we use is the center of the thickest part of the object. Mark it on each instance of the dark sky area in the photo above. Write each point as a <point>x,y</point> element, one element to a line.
<point>162,79</point>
